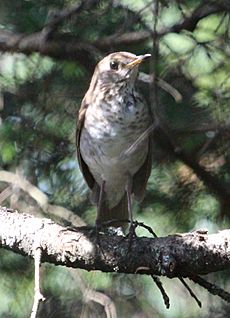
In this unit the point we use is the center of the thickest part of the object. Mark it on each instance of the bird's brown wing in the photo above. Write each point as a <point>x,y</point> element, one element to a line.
<point>83,166</point>
<point>141,177</point>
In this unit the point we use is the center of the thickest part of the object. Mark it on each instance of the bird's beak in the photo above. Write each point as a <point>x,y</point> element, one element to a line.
<point>139,59</point>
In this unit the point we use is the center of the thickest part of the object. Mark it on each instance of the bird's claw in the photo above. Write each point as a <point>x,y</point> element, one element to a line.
<point>131,234</point>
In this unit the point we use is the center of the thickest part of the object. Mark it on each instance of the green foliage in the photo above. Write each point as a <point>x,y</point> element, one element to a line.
<point>39,98</point>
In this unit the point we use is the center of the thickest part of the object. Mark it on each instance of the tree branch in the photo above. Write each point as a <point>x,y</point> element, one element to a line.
<point>40,198</point>
<point>177,255</point>
<point>128,38</point>
<point>164,138</point>
<point>202,11</point>
<point>67,13</point>
<point>189,23</point>
<point>58,48</point>
<point>70,48</point>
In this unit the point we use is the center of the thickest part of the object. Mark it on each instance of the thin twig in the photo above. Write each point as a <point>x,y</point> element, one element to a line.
<point>38,297</point>
<point>162,84</point>
<point>211,181</point>
<point>154,98</point>
<point>135,223</point>
<point>103,300</point>
<point>40,198</point>
<point>190,291</point>
<point>90,294</point>
<point>59,16</point>
<point>137,142</point>
<point>202,11</point>
<point>212,288</point>
<point>213,127</point>
<point>5,193</point>
<point>147,227</point>
<point>162,290</point>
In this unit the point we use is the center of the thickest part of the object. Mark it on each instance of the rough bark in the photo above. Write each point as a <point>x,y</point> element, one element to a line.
<point>176,255</point>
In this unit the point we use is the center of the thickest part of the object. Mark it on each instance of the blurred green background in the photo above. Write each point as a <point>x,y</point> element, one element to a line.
<point>39,99</point>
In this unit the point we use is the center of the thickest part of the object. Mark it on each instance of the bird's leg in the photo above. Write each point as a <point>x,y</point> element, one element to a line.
<point>129,192</point>
<point>132,226</point>
<point>99,212</point>
<point>100,203</point>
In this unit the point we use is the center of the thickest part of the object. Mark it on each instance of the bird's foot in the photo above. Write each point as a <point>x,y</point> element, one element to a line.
<point>97,231</point>
<point>112,230</point>
<point>100,229</point>
<point>131,234</point>
<point>132,229</point>
<point>147,227</point>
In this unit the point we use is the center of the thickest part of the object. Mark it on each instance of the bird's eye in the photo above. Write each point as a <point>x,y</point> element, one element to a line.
<point>114,65</point>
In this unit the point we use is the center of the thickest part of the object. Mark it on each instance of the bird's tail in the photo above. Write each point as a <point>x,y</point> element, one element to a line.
<point>106,214</point>
<point>119,212</point>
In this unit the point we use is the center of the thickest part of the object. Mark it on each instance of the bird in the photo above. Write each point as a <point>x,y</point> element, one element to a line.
<point>112,117</point>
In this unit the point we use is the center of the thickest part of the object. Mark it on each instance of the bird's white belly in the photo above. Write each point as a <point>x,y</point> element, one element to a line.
<point>103,143</point>
<point>106,161</point>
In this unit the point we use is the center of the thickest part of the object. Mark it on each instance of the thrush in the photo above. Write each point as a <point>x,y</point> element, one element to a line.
<point>112,117</point>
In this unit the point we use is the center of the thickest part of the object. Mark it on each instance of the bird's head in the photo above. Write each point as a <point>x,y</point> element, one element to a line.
<point>119,67</point>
